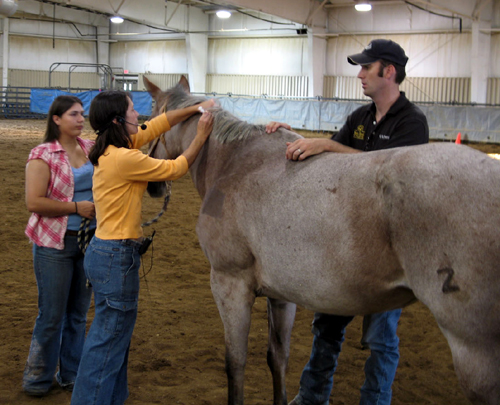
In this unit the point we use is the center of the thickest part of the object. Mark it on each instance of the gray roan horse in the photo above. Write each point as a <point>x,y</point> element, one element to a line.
<point>345,234</point>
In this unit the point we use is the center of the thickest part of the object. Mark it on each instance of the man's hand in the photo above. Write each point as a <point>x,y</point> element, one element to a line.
<point>303,148</point>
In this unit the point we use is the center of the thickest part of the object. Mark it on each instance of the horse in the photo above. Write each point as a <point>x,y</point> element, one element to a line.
<point>345,234</point>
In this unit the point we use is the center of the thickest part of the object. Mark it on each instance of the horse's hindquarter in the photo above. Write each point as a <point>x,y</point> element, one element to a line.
<point>310,232</point>
<point>444,204</point>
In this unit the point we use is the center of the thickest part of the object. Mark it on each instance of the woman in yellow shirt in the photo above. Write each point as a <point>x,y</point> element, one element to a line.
<point>112,260</point>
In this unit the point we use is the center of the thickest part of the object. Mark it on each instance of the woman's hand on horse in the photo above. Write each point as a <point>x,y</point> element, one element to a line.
<point>202,133</point>
<point>273,126</point>
<point>205,125</point>
<point>303,148</point>
<point>176,116</point>
<point>207,104</point>
<point>86,209</point>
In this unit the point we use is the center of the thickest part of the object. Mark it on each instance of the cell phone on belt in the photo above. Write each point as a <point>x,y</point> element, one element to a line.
<point>146,242</point>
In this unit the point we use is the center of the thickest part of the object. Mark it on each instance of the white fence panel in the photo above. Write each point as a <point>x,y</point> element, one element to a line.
<point>493,95</point>
<point>257,85</point>
<point>417,89</point>
<point>40,78</point>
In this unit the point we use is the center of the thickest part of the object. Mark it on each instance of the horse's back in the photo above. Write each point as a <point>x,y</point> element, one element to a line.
<point>346,222</point>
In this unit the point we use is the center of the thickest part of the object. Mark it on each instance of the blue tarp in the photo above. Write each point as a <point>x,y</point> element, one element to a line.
<point>41,99</point>
<point>476,123</point>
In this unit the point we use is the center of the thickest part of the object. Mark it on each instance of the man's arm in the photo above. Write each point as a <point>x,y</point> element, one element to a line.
<point>303,148</point>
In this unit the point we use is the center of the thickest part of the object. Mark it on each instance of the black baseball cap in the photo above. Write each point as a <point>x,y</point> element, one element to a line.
<point>380,49</point>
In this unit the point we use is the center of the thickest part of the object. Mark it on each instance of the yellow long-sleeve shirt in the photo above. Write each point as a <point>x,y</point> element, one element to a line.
<point>121,178</point>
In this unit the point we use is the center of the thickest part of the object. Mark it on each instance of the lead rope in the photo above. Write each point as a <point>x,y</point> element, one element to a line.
<point>164,208</point>
<point>152,221</point>
<point>157,217</point>
<point>84,234</point>
<point>83,240</point>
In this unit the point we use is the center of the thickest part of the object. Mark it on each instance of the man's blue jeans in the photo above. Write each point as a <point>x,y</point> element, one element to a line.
<point>379,334</point>
<point>59,332</point>
<point>112,266</point>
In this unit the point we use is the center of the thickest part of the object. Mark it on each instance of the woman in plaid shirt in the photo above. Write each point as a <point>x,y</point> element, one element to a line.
<point>59,195</point>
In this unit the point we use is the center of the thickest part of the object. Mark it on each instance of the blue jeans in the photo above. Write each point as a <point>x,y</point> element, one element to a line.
<point>59,332</point>
<point>112,266</point>
<point>379,334</point>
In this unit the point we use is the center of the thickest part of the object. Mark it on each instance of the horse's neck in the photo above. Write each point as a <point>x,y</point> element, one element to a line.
<point>217,162</point>
<point>201,172</point>
<point>178,140</point>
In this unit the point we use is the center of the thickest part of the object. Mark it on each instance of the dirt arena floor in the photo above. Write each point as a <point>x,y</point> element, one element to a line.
<point>177,351</point>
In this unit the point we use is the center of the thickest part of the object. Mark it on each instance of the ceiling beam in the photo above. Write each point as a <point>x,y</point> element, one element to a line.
<point>295,10</point>
<point>433,6</point>
<point>478,9</point>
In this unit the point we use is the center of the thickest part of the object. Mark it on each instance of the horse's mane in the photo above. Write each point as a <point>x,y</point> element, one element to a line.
<point>227,128</point>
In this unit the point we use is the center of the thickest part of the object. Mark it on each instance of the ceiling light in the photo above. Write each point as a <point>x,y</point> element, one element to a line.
<point>223,14</point>
<point>116,19</point>
<point>363,7</point>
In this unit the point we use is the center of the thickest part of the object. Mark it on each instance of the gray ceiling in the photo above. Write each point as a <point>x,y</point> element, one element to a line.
<point>300,11</point>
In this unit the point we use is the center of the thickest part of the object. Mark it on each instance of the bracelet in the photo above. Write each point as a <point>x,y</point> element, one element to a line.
<point>76,208</point>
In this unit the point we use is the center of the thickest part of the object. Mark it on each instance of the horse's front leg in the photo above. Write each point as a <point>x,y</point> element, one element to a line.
<point>281,315</point>
<point>234,299</point>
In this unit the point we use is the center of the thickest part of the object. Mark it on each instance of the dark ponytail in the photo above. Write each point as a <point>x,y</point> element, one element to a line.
<point>105,108</point>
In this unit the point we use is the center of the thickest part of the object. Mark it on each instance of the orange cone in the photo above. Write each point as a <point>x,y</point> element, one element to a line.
<point>458,141</point>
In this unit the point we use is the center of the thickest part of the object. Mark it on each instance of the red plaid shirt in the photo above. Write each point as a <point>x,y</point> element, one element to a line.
<point>49,231</point>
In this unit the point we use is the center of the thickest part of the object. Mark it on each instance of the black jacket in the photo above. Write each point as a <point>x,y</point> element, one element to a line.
<point>403,125</point>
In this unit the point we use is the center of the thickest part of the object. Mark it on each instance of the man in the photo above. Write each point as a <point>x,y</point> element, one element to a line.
<point>390,121</point>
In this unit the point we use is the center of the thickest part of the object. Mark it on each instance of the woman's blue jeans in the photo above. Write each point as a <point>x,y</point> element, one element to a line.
<point>112,267</point>
<point>379,334</point>
<point>59,332</point>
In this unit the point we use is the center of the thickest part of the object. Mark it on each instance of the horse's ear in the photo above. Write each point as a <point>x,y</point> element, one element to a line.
<point>151,88</point>
<point>185,84</point>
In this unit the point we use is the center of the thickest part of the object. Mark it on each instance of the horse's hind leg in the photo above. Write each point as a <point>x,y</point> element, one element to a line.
<point>477,365</point>
<point>234,300</point>
<point>281,315</point>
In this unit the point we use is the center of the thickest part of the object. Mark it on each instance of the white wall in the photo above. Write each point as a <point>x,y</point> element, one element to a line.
<point>38,53</point>
<point>433,44</point>
<point>262,56</point>
<point>433,55</point>
<point>154,57</point>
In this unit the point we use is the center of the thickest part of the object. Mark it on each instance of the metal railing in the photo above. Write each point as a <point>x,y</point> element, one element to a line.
<point>15,103</point>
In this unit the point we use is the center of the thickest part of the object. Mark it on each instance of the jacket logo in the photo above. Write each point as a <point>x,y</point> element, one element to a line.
<point>381,136</point>
<point>359,132</point>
